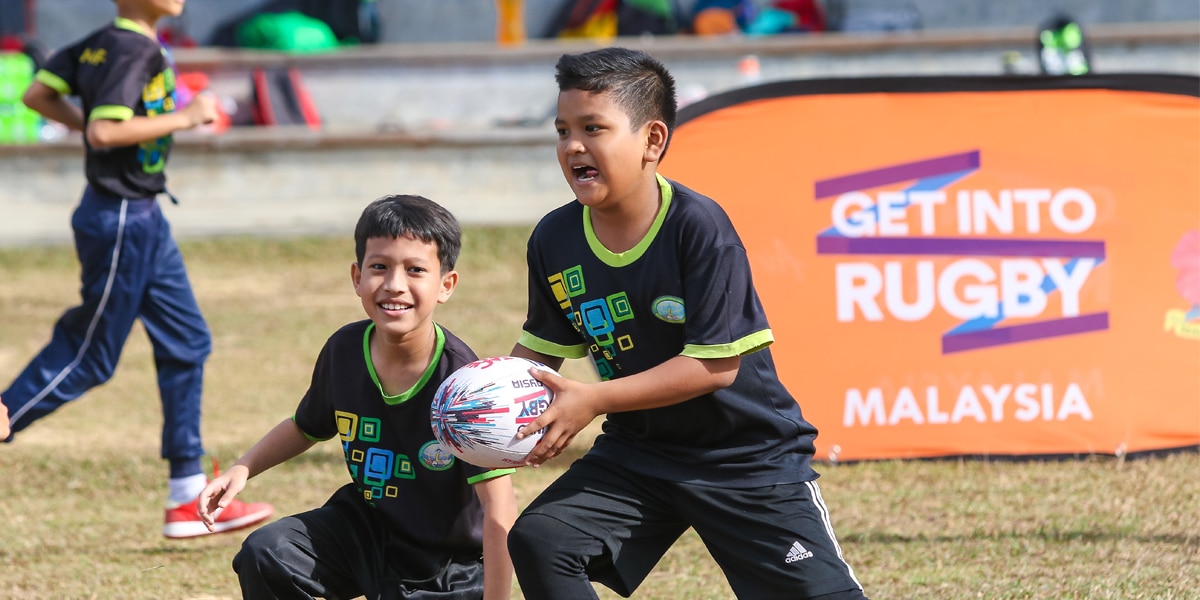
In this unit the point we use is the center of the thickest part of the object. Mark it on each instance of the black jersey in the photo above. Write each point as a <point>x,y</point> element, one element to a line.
<point>118,72</point>
<point>684,289</point>
<point>421,490</point>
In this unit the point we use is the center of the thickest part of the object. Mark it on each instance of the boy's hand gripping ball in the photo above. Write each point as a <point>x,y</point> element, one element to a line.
<point>479,409</point>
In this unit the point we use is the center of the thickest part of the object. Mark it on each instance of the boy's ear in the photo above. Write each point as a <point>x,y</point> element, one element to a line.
<point>656,141</point>
<point>355,276</point>
<point>449,282</point>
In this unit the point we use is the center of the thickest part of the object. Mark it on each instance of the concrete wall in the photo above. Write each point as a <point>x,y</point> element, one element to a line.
<point>404,21</point>
<point>426,119</point>
<point>257,182</point>
<point>474,86</point>
<point>948,14</point>
<point>417,21</point>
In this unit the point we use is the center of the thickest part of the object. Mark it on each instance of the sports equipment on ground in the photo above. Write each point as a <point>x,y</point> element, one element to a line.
<point>479,409</point>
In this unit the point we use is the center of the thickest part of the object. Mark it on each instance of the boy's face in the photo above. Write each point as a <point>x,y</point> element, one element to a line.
<point>400,282</point>
<point>604,158</point>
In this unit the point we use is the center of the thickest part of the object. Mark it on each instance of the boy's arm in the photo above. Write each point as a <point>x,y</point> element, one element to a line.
<point>53,105</point>
<point>576,404</point>
<point>554,362</point>
<point>281,444</point>
<point>499,511</point>
<point>4,423</point>
<point>111,133</point>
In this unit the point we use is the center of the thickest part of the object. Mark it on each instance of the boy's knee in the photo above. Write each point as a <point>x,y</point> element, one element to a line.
<point>855,594</point>
<point>187,352</point>
<point>529,535</point>
<point>271,564</point>
<point>260,550</point>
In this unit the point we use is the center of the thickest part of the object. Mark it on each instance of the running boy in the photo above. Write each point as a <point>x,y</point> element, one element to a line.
<point>415,523</point>
<point>651,279</point>
<point>131,266</point>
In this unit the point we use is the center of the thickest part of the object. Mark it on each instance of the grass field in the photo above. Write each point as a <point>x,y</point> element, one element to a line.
<point>82,490</point>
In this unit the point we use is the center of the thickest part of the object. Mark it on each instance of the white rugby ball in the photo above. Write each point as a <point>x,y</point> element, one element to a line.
<point>479,409</point>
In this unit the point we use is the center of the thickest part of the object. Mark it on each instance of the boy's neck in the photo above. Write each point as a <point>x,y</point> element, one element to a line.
<point>148,23</point>
<point>414,347</point>
<point>400,363</point>
<point>621,230</point>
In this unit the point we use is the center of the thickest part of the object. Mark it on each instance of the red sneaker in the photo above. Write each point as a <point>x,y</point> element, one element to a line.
<point>183,521</point>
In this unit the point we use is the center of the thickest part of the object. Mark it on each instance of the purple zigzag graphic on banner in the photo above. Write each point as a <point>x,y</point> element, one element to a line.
<point>912,246</point>
<point>1023,333</point>
<point>942,165</point>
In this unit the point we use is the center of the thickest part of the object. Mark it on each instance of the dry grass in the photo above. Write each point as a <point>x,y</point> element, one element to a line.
<point>83,488</point>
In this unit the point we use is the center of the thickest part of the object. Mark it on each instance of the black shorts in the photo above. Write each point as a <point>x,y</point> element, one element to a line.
<point>771,542</point>
<point>343,550</point>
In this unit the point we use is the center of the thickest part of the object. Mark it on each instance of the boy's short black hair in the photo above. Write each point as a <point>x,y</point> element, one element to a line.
<point>636,81</point>
<point>399,216</point>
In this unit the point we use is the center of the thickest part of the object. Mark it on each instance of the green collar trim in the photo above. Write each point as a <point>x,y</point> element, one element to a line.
<point>416,388</point>
<point>123,23</point>
<point>621,259</point>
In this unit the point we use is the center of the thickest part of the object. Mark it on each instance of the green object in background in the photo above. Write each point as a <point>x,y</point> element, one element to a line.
<point>288,31</point>
<point>16,73</point>
<point>661,8</point>
<point>18,124</point>
<point>1062,47</point>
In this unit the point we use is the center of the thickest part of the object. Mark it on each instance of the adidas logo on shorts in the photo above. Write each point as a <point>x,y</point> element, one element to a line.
<point>797,552</point>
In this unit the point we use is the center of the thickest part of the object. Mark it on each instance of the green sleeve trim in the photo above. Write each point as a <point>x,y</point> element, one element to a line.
<point>747,345</point>
<point>53,81</point>
<point>112,112</point>
<point>310,438</point>
<point>550,348</point>
<point>490,475</point>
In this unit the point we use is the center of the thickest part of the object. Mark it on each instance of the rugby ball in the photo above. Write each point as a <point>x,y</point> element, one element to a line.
<point>480,407</point>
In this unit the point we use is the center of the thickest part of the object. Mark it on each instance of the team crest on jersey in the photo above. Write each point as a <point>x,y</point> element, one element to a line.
<point>668,308</point>
<point>435,457</point>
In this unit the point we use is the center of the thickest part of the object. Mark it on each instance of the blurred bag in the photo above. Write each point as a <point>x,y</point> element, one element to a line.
<point>289,31</point>
<point>585,19</point>
<point>605,19</point>
<point>349,21</point>
<point>654,17</point>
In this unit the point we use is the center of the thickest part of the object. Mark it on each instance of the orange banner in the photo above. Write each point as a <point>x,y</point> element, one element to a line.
<point>976,266</point>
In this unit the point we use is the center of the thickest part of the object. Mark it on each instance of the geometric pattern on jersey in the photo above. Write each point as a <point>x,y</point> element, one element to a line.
<point>595,319</point>
<point>395,462</point>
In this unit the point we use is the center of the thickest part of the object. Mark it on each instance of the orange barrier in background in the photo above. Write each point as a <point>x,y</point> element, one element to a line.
<point>970,265</point>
